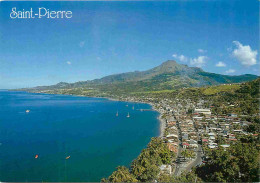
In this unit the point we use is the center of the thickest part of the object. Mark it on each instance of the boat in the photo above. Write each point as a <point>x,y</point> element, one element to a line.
<point>133,107</point>
<point>117,113</point>
<point>67,157</point>
<point>128,115</point>
<point>36,156</point>
<point>27,111</point>
<point>126,105</point>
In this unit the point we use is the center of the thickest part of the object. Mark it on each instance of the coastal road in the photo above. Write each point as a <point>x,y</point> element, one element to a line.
<point>197,161</point>
<point>181,167</point>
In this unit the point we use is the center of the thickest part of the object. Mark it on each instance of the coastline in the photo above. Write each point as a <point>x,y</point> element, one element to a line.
<point>162,125</point>
<point>148,123</point>
<point>161,120</point>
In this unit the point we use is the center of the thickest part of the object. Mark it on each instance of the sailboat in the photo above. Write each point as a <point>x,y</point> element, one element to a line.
<point>128,115</point>
<point>117,113</point>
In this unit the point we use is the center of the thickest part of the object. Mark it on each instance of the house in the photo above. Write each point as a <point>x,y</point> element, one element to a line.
<point>206,112</point>
<point>225,145</point>
<point>205,140</point>
<point>193,146</point>
<point>233,115</point>
<point>185,136</point>
<point>212,138</point>
<point>172,136</point>
<point>197,118</point>
<point>172,147</point>
<point>185,145</point>
<point>167,169</point>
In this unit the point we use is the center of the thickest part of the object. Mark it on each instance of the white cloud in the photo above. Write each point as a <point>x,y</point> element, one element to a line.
<point>221,64</point>
<point>181,58</point>
<point>68,62</point>
<point>229,71</point>
<point>81,44</point>
<point>199,62</point>
<point>245,55</point>
<point>202,51</point>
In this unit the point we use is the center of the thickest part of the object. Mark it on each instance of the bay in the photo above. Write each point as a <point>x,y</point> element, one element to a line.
<point>84,129</point>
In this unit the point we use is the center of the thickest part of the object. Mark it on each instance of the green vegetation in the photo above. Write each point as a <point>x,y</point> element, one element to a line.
<point>120,175</point>
<point>222,88</point>
<point>174,81</point>
<point>239,163</point>
<point>184,177</point>
<point>167,76</point>
<point>146,167</point>
<point>188,154</point>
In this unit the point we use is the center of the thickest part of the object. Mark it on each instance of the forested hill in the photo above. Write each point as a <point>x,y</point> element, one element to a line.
<point>169,75</point>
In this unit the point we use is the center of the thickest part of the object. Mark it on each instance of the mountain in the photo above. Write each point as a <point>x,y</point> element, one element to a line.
<point>169,75</point>
<point>166,67</point>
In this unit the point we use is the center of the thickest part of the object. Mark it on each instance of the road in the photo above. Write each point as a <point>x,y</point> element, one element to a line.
<point>198,159</point>
<point>181,167</point>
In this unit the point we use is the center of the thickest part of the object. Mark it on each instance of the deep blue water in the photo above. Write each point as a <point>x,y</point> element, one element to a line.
<point>57,126</point>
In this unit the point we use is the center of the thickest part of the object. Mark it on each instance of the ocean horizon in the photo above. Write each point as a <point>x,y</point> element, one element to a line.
<point>45,137</point>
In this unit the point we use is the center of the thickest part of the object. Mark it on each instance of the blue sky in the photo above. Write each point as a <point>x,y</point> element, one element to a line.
<point>105,38</point>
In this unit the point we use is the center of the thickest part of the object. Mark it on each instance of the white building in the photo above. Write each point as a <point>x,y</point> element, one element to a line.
<point>203,111</point>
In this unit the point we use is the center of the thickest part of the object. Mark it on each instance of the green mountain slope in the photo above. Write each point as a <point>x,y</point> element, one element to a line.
<point>167,76</point>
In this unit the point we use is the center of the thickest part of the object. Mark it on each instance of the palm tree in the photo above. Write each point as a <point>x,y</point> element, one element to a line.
<point>185,154</point>
<point>191,154</point>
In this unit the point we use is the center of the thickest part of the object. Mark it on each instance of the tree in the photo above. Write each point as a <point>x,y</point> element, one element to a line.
<point>122,174</point>
<point>236,164</point>
<point>186,177</point>
<point>185,153</point>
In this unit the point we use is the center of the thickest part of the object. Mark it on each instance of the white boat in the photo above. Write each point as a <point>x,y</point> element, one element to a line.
<point>117,113</point>
<point>133,107</point>
<point>27,111</point>
<point>128,115</point>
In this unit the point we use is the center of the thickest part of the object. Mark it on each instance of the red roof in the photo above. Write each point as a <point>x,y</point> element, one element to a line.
<point>205,140</point>
<point>233,139</point>
<point>186,144</point>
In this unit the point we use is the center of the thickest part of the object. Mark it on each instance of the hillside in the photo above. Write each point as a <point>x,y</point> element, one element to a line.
<point>167,76</point>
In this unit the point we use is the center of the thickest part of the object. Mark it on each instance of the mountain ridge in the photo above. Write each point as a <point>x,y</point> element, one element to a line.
<point>168,75</point>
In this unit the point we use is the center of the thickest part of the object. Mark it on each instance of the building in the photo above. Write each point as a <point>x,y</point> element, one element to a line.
<point>166,169</point>
<point>206,112</point>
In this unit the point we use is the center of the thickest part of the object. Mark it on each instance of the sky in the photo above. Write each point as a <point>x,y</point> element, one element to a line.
<point>104,38</point>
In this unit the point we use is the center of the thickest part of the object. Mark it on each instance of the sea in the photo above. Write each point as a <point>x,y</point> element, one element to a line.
<point>65,138</point>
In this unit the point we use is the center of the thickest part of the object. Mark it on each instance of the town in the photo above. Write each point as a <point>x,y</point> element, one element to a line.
<point>207,130</point>
<point>193,128</point>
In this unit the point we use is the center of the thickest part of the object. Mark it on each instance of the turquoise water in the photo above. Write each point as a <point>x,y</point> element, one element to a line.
<point>57,126</point>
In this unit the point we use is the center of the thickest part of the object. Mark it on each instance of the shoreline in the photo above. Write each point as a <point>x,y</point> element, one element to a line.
<point>159,118</point>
